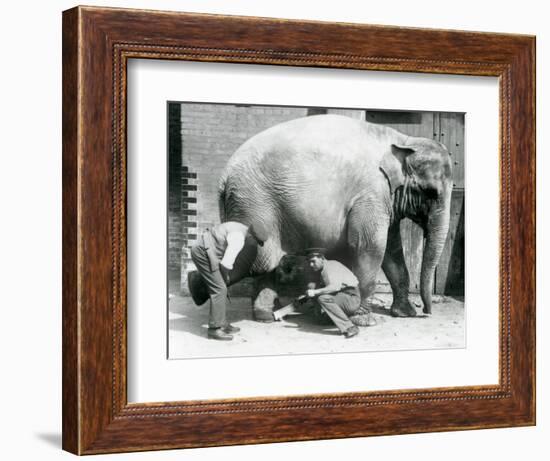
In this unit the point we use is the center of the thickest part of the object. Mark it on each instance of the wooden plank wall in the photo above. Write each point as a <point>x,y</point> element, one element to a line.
<point>449,277</point>
<point>447,128</point>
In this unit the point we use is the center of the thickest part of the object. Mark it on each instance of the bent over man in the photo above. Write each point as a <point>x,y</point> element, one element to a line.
<point>224,254</point>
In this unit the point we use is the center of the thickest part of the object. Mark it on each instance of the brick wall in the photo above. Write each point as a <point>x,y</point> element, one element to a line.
<point>210,134</point>
<point>175,241</point>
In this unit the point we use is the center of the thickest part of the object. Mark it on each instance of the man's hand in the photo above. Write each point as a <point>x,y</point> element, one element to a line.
<point>311,293</point>
<point>224,271</point>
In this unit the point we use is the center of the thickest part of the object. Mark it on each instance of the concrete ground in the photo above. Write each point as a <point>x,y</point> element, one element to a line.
<point>303,334</point>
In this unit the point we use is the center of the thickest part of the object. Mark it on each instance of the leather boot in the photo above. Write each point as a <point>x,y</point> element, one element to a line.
<point>218,333</point>
<point>231,329</point>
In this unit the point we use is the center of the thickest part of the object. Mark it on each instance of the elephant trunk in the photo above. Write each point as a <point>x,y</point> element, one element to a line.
<point>435,233</point>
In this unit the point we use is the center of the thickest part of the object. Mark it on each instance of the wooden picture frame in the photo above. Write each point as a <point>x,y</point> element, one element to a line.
<point>97,43</point>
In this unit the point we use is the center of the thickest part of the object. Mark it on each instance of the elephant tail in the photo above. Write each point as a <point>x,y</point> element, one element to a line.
<point>221,199</point>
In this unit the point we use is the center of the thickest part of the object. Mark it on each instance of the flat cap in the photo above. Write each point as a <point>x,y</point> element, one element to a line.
<point>311,252</point>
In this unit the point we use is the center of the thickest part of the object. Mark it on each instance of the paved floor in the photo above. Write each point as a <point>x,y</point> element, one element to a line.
<point>302,334</point>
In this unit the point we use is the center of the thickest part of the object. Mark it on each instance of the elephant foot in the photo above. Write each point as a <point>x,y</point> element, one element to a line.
<point>265,300</point>
<point>364,316</point>
<point>364,320</point>
<point>403,308</point>
<point>427,310</point>
<point>263,315</point>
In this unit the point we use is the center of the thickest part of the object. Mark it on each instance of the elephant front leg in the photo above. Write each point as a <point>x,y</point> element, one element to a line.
<point>397,274</point>
<point>367,235</point>
<point>366,269</point>
<point>264,298</point>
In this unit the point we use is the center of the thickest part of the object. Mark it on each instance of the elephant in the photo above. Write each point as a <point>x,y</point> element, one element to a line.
<point>342,184</point>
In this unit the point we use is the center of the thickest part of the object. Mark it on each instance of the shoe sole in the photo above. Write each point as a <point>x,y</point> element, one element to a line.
<point>355,333</point>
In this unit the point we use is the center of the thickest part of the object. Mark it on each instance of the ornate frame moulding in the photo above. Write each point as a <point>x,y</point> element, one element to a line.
<point>97,43</point>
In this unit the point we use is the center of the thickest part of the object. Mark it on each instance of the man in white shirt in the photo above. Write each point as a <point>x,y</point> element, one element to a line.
<point>223,255</point>
<point>338,294</point>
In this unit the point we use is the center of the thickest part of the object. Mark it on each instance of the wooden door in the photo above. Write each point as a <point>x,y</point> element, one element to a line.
<point>449,275</point>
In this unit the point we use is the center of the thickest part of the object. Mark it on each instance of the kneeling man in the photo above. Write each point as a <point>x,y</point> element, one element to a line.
<point>338,295</point>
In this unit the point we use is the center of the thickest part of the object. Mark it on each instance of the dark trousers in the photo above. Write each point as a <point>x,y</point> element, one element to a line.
<point>339,306</point>
<point>216,286</point>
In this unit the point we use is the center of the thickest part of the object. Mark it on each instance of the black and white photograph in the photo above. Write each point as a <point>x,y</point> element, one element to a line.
<point>313,230</point>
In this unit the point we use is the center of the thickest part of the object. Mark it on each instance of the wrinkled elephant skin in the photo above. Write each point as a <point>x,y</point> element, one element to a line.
<point>342,184</point>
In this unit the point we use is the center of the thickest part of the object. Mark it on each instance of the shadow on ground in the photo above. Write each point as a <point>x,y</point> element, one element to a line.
<point>304,333</point>
<point>195,322</point>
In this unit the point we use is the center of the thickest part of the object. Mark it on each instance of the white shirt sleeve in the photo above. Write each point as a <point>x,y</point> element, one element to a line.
<point>235,243</point>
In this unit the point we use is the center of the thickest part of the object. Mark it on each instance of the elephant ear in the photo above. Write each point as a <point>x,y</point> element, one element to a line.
<point>393,165</point>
